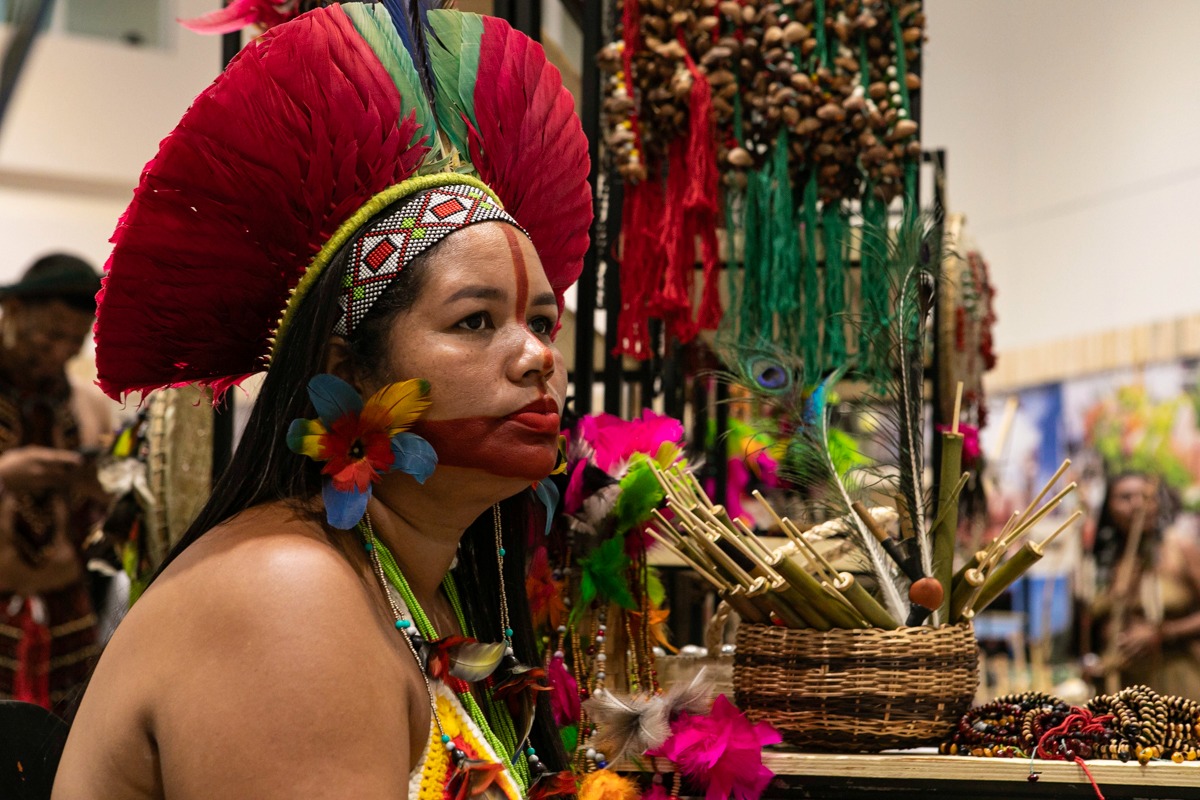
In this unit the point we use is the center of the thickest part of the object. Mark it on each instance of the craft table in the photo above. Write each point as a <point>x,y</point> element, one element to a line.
<point>859,777</point>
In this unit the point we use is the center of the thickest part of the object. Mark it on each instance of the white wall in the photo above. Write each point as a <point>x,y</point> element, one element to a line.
<point>1072,146</point>
<point>86,117</point>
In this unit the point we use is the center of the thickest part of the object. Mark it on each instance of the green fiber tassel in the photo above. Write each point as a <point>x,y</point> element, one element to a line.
<point>834,226</point>
<point>813,311</point>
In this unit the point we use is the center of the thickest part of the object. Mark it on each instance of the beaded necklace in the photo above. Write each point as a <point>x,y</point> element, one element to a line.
<point>420,630</point>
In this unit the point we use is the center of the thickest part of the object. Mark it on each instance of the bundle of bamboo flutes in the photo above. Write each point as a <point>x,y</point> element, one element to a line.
<point>798,587</point>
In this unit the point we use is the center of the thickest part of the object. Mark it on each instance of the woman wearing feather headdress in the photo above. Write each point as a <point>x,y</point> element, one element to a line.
<point>383,204</point>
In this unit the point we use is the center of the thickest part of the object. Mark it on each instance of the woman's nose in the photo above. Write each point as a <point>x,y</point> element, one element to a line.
<point>535,359</point>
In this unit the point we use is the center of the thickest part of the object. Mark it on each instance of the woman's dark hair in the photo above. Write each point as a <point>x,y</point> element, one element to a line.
<point>263,469</point>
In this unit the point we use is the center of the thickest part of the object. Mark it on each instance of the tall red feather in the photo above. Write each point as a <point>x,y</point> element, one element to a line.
<point>296,135</point>
<point>528,145</point>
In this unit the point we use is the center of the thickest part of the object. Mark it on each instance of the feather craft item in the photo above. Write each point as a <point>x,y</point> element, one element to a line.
<point>375,26</point>
<point>515,112</point>
<point>247,143</point>
<point>804,419</point>
<point>242,14</point>
<point>627,726</point>
<point>910,259</point>
<point>411,18</point>
<point>693,697</point>
<point>309,124</point>
<point>813,457</point>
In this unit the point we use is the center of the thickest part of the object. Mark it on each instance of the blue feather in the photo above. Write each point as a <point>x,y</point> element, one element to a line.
<point>411,18</point>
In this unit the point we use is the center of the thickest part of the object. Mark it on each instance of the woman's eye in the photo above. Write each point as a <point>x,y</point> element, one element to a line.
<point>542,326</point>
<point>476,322</point>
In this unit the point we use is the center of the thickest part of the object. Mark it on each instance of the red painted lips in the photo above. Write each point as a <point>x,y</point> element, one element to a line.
<point>540,416</point>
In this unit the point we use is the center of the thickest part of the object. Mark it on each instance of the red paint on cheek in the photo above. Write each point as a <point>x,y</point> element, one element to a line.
<point>498,446</point>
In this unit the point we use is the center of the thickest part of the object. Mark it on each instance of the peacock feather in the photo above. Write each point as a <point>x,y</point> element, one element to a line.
<point>823,459</point>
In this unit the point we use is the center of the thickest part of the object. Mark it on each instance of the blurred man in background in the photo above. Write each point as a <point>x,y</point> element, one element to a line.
<point>50,433</point>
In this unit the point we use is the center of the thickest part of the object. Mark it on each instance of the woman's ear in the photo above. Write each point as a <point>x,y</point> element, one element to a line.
<point>340,363</point>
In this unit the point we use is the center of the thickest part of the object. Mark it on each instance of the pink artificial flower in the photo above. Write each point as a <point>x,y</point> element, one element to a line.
<point>721,750</point>
<point>614,440</point>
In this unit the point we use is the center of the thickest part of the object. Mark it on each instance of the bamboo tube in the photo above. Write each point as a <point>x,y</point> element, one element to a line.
<point>739,602</point>
<point>981,555</point>
<point>1007,573</point>
<point>799,578</point>
<point>810,553</point>
<point>812,603</point>
<point>721,558</point>
<point>840,601</point>
<point>964,592</point>
<point>945,530</point>
<point>790,617</point>
<point>1004,575</point>
<point>750,538</point>
<point>801,605</point>
<point>955,492</point>
<point>867,606</point>
<point>713,578</point>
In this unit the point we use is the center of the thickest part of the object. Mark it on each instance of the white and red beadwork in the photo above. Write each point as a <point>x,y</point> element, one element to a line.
<point>393,241</point>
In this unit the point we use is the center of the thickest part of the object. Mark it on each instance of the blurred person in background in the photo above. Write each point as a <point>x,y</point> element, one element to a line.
<point>50,433</point>
<point>1142,621</point>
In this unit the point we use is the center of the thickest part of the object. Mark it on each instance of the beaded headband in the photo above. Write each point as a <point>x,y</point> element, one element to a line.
<point>392,242</point>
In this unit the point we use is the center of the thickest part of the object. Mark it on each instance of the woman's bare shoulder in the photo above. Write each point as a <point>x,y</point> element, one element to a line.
<point>249,652</point>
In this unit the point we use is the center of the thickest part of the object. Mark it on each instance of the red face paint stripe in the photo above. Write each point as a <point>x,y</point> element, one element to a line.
<point>519,272</point>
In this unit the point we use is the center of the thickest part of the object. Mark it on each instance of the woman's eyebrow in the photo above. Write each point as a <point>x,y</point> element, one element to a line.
<point>479,292</point>
<point>545,299</point>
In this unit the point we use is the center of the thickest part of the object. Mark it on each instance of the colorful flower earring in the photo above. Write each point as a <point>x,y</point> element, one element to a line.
<point>361,442</point>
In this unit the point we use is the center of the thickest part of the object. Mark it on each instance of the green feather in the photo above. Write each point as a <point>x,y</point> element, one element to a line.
<point>641,493</point>
<point>375,26</point>
<point>604,576</point>
<point>455,54</point>
<point>655,591</point>
<point>570,737</point>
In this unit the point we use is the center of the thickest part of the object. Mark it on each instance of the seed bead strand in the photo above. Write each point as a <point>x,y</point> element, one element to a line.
<point>411,638</point>
<point>425,627</point>
<point>500,553</point>
<point>506,736</point>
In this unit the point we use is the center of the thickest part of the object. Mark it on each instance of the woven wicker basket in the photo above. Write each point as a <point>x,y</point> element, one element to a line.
<point>856,690</point>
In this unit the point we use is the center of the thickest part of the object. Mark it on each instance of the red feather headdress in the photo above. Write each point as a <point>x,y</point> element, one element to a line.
<point>315,126</point>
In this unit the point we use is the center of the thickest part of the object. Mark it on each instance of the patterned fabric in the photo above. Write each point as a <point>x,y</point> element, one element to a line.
<point>48,646</point>
<point>431,776</point>
<point>395,240</point>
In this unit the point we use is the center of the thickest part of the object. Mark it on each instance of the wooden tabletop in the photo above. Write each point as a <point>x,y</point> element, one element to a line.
<point>814,775</point>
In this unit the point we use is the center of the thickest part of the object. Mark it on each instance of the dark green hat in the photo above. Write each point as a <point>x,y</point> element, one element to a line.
<point>56,276</point>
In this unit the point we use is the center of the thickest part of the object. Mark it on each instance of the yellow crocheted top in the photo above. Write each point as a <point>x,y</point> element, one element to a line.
<point>431,776</point>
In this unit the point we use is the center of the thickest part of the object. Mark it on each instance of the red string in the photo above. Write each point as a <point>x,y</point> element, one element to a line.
<point>1083,765</point>
<point>1080,720</point>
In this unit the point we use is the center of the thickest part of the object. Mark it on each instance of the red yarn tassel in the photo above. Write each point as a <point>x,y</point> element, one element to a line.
<point>641,266</point>
<point>700,203</point>
<point>674,293</point>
